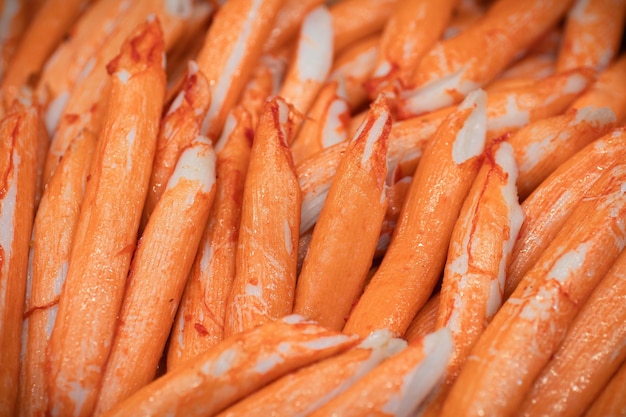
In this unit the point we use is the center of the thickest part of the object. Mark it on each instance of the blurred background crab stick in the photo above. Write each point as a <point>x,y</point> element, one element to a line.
<point>591,352</point>
<point>527,330</point>
<point>15,16</point>
<point>168,245</point>
<point>18,172</point>
<point>265,278</point>
<point>309,388</point>
<point>107,224</point>
<point>550,204</point>
<point>416,254</point>
<point>332,278</point>
<point>288,22</point>
<point>398,385</point>
<point>53,232</point>
<point>232,47</point>
<point>199,322</point>
<point>456,66</point>
<point>234,368</point>
<point>592,35</point>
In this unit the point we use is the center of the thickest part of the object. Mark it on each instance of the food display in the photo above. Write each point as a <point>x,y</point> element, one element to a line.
<point>309,207</point>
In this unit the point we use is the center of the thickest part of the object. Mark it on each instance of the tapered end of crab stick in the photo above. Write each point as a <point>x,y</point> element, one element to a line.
<point>468,143</point>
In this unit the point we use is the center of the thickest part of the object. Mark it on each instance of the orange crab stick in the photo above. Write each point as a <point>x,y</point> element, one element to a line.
<point>311,64</point>
<point>410,32</point>
<point>14,19</point>
<point>18,172</point>
<point>593,32</point>
<point>179,127</point>
<point>167,247</point>
<point>200,318</point>
<point>605,92</point>
<point>107,225</point>
<point>267,249</point>
<point>307,389</point>
<point>541,147</point>
<point>332,279</point>
<point>480,247</point>
<point>527,330</point>
<point>611,401</point>
<point>326,125</point>
<point>231,49</point>
<point>547,208</point>
<point>398,385</point>
<point>53,232</point>
<point>288,21</point>
<point>43,34</point>
<point>235,368</point>
<point>465,66</point>
<point>416,254</point>
<point>590,353</point>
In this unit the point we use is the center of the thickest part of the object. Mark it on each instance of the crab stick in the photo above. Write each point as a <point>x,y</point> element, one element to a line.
<point>611,401</point>
<point>267,249</point>
<point>543,146</point>
<point>179,127</point>
<point>416,254</point>
<point>590,353</point>
<point>167,247</point>
<point>53,232</point>
<point>81,339</point>
<point>456,66</point>
<point>288,22</point>
<point>232,47</point>
<point>235,368</point>
<point>409,34</point>
<point>425,319</point>
<point>398,385</point>
<point>548,207</point>
<point>14,19</point>
<point>18,170</point>
<point>527,330</point>
<point>592,35</point>
<point>312,61</point>
<point>199,323</point>
<point>307,389</point>
<point>332,279</point>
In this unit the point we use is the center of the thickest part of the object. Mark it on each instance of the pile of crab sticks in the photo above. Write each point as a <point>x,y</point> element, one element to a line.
<point>309,207</point>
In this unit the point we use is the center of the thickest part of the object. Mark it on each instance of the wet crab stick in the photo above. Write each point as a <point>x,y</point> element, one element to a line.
<point>398,385</point>
<point>592,34</point>
<point>307,389</point>
<point>332,274</point>
<point>267,248</point>
<point>18,150</point>
<point>611,401</point>
<point>200,318</point>
<point>107,225</point>
<point>232,47</point>
<point>53,233</point>
<point>235,368</point>
<point>527,330</point>
<point>473,281</point>
<point>459,65</point>
<point>416,254</point>
<point>590,353</point>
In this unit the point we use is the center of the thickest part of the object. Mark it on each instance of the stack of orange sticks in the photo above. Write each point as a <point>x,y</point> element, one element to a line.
<point>309,207</point>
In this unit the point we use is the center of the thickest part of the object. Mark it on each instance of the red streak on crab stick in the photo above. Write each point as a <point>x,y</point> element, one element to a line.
<point>416,254</point>
<point>593,32</point>
<point>234,369</point>
<point>267,249</point>
<point>232,47</point>
<point>166,248</point>
<point>606,91</point>
<point>199,323</point>
<point>18,172</point>
<point>333,275</point>
<point>179,127</point>
<point>548,207</point>
<point>459,65</point>
<point>590,354</point>
<point>53,233</point>
<point>107,225</point>
<point>527,330</point>
<point>307,389</point>
<point>611,401</point>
